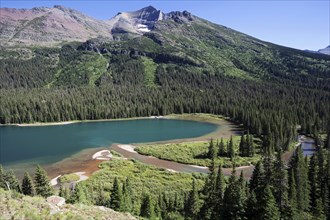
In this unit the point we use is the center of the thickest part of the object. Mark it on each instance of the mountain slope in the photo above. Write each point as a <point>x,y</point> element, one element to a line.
<point>48,26</point>
<point>325,50</point>
<point>148,44</point>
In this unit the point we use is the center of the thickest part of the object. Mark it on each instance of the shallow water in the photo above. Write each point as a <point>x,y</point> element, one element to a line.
<point>49,144</point>
<point>308,147</point>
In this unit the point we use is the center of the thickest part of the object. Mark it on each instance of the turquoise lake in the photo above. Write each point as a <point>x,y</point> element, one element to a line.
<point>49,144</point>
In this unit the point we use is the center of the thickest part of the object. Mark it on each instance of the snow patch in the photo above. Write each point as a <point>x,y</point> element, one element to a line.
<point>143,28</point>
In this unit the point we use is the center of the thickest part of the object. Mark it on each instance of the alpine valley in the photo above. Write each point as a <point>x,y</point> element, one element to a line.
<point>59,65</point>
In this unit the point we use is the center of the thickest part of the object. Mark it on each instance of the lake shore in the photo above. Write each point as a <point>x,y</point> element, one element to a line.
<point>72,122</point>
<point>88,160</point>
<point>84,161</point>
<point>225,128</point>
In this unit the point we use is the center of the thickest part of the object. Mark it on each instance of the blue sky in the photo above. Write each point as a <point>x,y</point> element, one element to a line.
<point>297,24</point>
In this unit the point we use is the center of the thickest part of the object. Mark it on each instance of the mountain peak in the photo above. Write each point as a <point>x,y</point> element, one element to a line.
<point>149,8</point>
<point>138,22</point>
<point>148,13</point>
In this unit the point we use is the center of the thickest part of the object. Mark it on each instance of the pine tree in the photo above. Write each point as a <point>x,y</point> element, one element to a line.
<point>41,180</point>
<point>299,167</point>
<point>268,206</point>
<point>251,208</point>
<point>231,149</point>
<point>268,162</point>
<point>251,146</point>
<point>280,184</point>
<point>2,178</point>
<point>222,151</point>
<point>256,183</point>
<point>162,205</point>
<point>218,195</point>
<point>127,196</point>
<point>242,147</point>
<point>157,211</point>
<point>27,185</point>
<point>208,194</point>
<point>116,199</point>
<point>326,194</point>
<point>321,175</point>
<point>211,150</point>
<point>11,181</point>
<point>318,211</point>
<point>79,195</point>
<point>327,141</point>
<point>64,192</point>
<point>146,207</point>
<point>312,177</point>
<point>191,203</point>
<point>242,184</point>
<point>233,197</point>
<point>293,191</point>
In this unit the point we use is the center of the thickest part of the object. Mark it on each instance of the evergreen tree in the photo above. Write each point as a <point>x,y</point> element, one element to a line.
<point>243,186</point>
<point>231,149</point>
<point>191,203</point>
<point>321,175</point>
<point>298,165</point>
<point>233,197</point>
<point>41,180</point>
<point>209,194</point>
<point>318,211</point>
<point>243,147</point>
<point>327,141</point>
<point>312,177</point>
<point>222,151</point>
<point>293,192</point>
<point>11,181</point>
<point>146,207</point>
<point>211,150</point>
<point>251,146</point>
<point>218,195</point>
<point>268,162</point>
<point>2,178</point>
<point>268,206</point>
<point>251,208</point>
<point>280,184</point>
<point>326,194</point>
<point>162,205</point>
<point>116,199</point>
<point>127,196</point>
<point>79,195</point>
<point>64,192</point>
<point>256,183</point>
<point>27,185</point>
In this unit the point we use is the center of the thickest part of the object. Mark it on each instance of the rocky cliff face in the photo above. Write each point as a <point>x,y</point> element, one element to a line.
<point>136,22</point>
